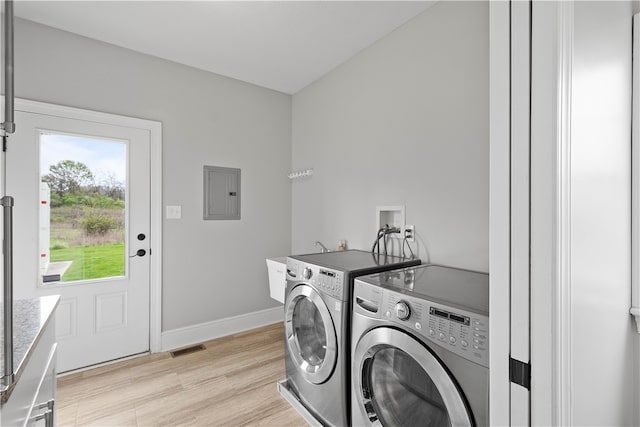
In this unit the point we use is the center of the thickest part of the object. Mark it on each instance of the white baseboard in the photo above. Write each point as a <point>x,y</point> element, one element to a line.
<point>183,337</point>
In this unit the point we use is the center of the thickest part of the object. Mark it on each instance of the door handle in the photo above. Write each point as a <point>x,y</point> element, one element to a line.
<point>367,305</point>
<point>139,252</point>
<point>48,415</point>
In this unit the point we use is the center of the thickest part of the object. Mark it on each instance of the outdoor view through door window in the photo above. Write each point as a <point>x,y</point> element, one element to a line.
<point>82,208</point>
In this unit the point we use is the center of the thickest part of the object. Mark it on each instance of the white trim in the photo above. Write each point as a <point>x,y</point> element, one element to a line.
<point>520,203</point>
<point>520,197</point>
<point>499,220</point>
<point>100,365</point>
<point>635,209</point>
<point>155,242</point>
<point>563,313</point>
<point>635,177</point>
<point>195,334</point>
<point>544,131</point>
<point>29,106</point>
<point>551,214</point>
<point>155,273</point>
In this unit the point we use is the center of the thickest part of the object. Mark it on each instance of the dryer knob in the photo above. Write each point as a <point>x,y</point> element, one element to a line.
<point>403,312</point>
<point>307,273</point>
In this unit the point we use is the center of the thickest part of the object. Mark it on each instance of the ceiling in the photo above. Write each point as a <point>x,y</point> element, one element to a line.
<point>280,45</point>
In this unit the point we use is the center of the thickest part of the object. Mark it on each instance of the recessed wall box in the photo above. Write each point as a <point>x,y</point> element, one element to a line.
<point>221,193</point>
<point>392,216</point>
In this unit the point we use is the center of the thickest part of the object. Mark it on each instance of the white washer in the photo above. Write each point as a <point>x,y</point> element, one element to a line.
<point>420,348</point>
<point>317,330</point>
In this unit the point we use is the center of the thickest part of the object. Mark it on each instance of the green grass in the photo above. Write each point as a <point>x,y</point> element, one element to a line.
<point>91,262</point>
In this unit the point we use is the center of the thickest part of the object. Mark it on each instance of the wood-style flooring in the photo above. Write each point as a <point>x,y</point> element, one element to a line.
<point>232,382</point>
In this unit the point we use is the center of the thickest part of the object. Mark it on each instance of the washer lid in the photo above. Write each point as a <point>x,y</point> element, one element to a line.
<point>355,260</point>
<point>450,286</point>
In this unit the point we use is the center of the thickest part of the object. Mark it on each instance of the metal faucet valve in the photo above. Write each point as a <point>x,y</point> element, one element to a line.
<point>323,248</point>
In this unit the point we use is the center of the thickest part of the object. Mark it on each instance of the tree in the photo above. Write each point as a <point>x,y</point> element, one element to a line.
<point>110,186</point>
<point>68,177</point>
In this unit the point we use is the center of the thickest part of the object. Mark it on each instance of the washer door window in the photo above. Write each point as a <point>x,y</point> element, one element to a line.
<point>401,383</point>
<point>311,337</point>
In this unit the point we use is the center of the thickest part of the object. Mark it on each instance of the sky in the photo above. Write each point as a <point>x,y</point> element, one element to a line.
<point>103,157</point>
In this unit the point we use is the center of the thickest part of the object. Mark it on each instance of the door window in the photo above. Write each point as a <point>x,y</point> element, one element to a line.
<point>82,207</point>
<point>401,393</point>
<point>309,330</point>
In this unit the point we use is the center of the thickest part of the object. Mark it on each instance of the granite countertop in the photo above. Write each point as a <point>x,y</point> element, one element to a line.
<point>30,316</point>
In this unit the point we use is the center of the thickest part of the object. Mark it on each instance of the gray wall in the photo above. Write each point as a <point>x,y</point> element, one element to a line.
<point>212,269</point>
<point>405,122</point>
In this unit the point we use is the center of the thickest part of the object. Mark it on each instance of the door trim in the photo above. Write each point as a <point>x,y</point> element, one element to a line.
<point>635,204</point>
<point>499,211</point>
<point>155,156</point>
<point>551,354</point>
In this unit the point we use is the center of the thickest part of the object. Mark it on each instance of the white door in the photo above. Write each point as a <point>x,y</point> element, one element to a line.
<point>81,230</point>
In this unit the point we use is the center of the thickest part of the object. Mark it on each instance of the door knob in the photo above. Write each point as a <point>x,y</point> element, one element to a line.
<point>139,252</point>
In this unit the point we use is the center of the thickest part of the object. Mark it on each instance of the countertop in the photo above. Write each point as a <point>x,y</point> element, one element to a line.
<point>30,316</point>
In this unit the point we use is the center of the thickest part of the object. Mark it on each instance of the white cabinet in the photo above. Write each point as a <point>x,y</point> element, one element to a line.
<point>42,411</point>
<point>31,400</point>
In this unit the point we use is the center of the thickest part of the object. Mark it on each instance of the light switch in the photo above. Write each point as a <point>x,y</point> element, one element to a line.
<point>174,211</point>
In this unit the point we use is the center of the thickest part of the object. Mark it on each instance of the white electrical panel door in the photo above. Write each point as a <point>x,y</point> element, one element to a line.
<point>221,193</point>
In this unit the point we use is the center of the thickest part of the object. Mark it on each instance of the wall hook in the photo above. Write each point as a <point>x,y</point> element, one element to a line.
<point>300,173</point>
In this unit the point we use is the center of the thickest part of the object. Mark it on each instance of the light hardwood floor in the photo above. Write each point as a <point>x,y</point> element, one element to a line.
<point>230,383</point>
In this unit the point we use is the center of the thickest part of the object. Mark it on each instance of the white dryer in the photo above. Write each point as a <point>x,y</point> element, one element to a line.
<point>317,326</point>
<point>420,348</point>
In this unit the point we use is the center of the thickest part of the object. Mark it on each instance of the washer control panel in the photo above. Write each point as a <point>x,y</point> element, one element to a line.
<point>325,280</point>
<point>460,331</point>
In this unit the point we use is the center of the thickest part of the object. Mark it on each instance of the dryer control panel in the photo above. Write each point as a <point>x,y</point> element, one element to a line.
<point>325,280</point>
<point>460,331</point>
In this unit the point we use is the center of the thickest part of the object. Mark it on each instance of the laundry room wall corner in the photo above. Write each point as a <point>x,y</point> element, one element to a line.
<point>384,129</point>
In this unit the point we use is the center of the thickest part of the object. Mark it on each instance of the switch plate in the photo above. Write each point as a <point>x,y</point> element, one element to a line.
<point>174,212</point>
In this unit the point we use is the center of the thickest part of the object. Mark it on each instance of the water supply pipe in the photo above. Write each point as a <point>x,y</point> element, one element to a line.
<point>8,126</point>
<point>7,247</point>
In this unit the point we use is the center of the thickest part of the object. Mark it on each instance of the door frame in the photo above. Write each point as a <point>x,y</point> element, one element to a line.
<point>551,46</point>
<point>499,211</point>
<point>155,214</point>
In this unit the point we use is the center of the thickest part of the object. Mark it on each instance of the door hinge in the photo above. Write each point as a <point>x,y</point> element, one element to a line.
<point>520,373</point>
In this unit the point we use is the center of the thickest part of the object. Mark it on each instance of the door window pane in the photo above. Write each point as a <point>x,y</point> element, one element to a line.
<point>401,392</point>
<point>82,208</point>
<point>309,331</point>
